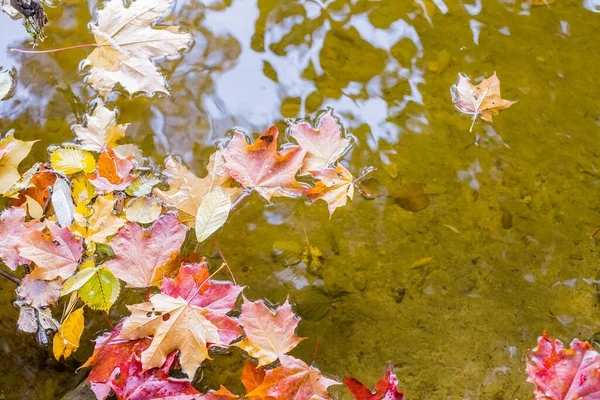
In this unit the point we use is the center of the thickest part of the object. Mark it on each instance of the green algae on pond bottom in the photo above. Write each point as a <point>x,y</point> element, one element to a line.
<point>458,327</point>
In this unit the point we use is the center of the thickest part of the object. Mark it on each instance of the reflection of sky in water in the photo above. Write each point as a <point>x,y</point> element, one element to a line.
<point>12,34</point>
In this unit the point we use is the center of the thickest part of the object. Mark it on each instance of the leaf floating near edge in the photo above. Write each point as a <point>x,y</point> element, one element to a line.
<point>7,83</point>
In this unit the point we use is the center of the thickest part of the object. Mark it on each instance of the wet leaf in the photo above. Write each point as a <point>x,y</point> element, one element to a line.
<point>38,293</point>
<point>12,152</point>
<point>314,311</point>
<point>293,379</point>
<point>55,251</point>
<point>334,186</point>
<point>7,83</point>
<point>98,287</point>
<point>507,218</point>
<point>113,172</point>
<point>212,213</point>
<point>143,210</point>
<point>423,262</point>
<point>252,376</point>
<point>82,190</point>
<point>36,320</point>
<point>564,374</point>
<point>186,190</point>
<point>385,389</point>
<point>100,130</point>
<point>189,316</point>
<point>142,185</point>
<point>62,202</point>
<point>324,144</point>
<point>99,222</point>
<point>483,100</point>
<point>412,198</point>
<point>70,160</point>
<point>12,227</point>
<point>34,209</point>
<point>128,43</point>
<point>139,254</point>
<point>541,2</point>
<point>260,167</point>
<point>66,340</point>
<point>269,334</point>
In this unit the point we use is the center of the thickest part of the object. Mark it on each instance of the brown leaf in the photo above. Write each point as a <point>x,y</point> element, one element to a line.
<point>412,198</point>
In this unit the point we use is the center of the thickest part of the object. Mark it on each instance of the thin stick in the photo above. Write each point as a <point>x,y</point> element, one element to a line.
<point>595,233</point>
<point>148,293</point>
<point>108,320</point>
<point>206,280</point>
<point>239,200</point>
<point>226,263</point>
<point>54,50</point>
<point>316,350</point>
<point>10,277</point>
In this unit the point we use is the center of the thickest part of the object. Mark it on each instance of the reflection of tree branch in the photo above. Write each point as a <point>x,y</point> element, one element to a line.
<point>10,277</point>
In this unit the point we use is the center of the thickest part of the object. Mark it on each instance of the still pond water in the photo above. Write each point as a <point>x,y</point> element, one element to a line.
<point>512,204</point>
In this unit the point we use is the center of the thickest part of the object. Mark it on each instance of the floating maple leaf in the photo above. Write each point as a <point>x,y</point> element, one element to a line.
<point>259,166</point>
<point>116,366</point>
<point>54,250</point>
<point>12,152</point>
<point>38,293</point>
<point>127,44</point>
<point>189,316</point>
<point>99,222</point>
<point>187,190</point>
<point>293,379</point>
<point>252,376</point>
<point>269,334</point>
<point>113,172</point>
<point>139,254</point>
<point>12,226</point>
<point>100,130</point>
<point>483,100</point>
<point>564,374</point>
<point>385,389</point>
<point>333,186</point>
<point>324,144</point>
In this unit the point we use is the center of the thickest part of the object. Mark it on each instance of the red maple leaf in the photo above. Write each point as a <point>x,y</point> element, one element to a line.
<point>564,374</point>
<point>385,389</point>
<point>116,366</point>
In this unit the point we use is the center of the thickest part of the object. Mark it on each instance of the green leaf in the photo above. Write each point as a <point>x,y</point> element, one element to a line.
<point>98,287</point>
<point>101,290</point>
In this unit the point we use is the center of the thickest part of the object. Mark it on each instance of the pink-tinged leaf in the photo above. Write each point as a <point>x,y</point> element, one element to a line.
<point>38,293</point>
<point>564,374</point>
<point>140,254</point>
<point>222,394</point>
<point>260,167</point>
<point>113,172</point>
<point>324,144</point>
<point>334,186</point>
<point>176,322</point>
<point>117,357</point>
<point>12,226</point>
<point>293,379</point>
<point>54,250</point>
<point>385,389</point>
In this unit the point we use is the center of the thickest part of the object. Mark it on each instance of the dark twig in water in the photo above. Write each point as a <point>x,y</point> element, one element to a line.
<point>595,233</point>
<point>10,277</point>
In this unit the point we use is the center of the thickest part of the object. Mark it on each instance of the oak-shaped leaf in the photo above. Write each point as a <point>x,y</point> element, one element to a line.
<point>261,167</point>
<point>54,250</point>
<point>293,379</point>
<point>189,315</point>
<point>113,172</point>
<point>116,367</point>
<point>564,374</point>
<point>140,253</point>
<point>269,334</point>
<point>128,43</point>
<point>324,144</point>
<point>12,152</point>
<point>100,130</point>
<point>334,186</point>
<point>483,100</point>
<point>186,190</point>
<point>12,226</point>
<point>385,389</point>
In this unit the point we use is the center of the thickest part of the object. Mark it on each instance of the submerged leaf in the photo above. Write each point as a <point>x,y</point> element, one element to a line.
<point>127,44</point>
<point>412,197</point>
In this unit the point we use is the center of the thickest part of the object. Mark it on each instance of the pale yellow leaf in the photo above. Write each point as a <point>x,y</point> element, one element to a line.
<point>12,152</point>
<point>212,213</point>
<point>100,130</point>
<point>143,210</point>
<point>34,209</point>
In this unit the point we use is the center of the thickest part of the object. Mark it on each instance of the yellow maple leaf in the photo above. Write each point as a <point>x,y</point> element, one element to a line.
<point>12,152</point>
<point>100,130</point>
<point>66,340</point>
<point>99,222</point>
<point>127,44</point>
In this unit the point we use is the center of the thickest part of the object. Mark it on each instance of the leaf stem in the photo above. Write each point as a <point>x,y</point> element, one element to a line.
<point>10,277</point>
<point>239,200</point>
<point>316,351</point>
<point>108,320</point>
<point>54,50</point>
